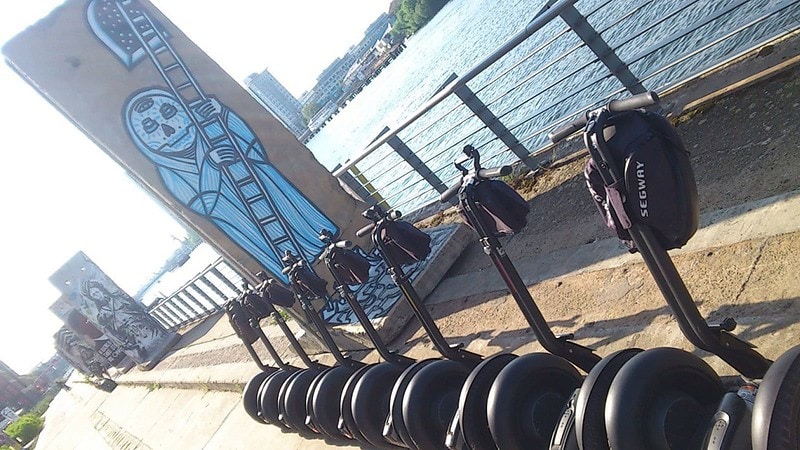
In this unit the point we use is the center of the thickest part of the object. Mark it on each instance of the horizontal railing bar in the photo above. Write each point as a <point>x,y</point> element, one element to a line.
<point>685,32</point>
<point>542,19</point>
<point>708,46</point>
<point>530,55</point>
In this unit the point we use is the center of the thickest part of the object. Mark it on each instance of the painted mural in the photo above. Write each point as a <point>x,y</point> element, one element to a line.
<point>206,155</point>
<point>94,295</point>
<point>80,356</point>
<point>380,293</point>
<point>79,325</point>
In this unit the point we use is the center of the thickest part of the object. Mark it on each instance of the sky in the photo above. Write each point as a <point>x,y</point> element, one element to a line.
<point>51,174</point>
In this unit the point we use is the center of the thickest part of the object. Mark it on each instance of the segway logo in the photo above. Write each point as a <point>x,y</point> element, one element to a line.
<point>642,189</point>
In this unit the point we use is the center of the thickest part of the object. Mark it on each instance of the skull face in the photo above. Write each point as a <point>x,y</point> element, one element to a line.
<point>160,123</point>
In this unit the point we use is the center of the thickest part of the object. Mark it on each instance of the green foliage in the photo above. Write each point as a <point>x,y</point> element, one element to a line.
<point>413,14</point>
<point>310,109</point>
<point>26,428</point>
<point>43,404</point>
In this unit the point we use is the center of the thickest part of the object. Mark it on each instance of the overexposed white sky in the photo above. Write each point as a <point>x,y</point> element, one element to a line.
<point>51,174</point>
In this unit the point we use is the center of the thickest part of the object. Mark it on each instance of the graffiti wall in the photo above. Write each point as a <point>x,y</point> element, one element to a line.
<point>161,108</point>
<point>83,329</point>
<point>87,289</point>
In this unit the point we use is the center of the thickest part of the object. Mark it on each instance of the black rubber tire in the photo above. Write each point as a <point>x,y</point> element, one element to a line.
<point>590,425</point>
<point>662,398</point>
<point>431,400</point>
<point>472,402</point>
<point>527,398</point>
<point>370,402</point>
<point>348,423</point>
<point>250,400</point>
<point>325,399</point>
<point>776,413</point>
<point>268,397</point>
<point>396,401</point>
<point>293,401</point>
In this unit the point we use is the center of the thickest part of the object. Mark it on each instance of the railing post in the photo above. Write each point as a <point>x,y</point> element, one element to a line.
<point>225,280</point>
<point>214,305</point>
<point>214,289</point>
<point>179,313</point>
<point>167,314</point>
<point>495,125</point>
<point>159,316</point>
<point>191,312</point>
<point>598,45</point>
<point>203,308</point>
<point>359,184</point>
<point>420,167</point>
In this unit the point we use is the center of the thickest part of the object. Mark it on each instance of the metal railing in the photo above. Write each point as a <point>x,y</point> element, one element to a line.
<point>200,297</point>
<point>574,54</point>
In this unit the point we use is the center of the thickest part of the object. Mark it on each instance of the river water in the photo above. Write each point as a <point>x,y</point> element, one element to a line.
<point>466,31</point>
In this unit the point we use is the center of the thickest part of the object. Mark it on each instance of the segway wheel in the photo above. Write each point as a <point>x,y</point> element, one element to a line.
<point>431,400</point>
<point>370,402</point>
<point>394,430</point>
<point>776,413</point>
<point>268,397</point>
<point>347,424</point>
<point>527,398</point>
<point>590,425</point>
<point>325,400</point>
<point>661,399</point>
<point>292,400</point>
<point>472,402</point>
<point>250,395</point>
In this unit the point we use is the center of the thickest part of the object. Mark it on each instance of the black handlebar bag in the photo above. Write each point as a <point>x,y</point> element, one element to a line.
<point>404,243</point>
<point>310,282</point>
<point>254,304</point>
<point>240,322</point>
<point>658,188</point>
<point>501,208</point>
<point>278,295</point>
<point>349,267</point>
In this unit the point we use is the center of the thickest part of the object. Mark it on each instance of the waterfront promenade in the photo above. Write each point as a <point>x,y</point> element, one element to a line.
<point>742,262</point>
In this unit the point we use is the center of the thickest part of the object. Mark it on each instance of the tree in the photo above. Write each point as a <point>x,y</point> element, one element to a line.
<point>26,428</point>
<point>413,15</point>
<point>310,109</point>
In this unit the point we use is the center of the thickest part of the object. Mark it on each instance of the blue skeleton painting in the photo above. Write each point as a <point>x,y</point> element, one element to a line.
<point>207,156</point>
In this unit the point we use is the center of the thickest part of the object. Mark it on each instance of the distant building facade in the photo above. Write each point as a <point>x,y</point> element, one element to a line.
<point>278,101</point>
<point>14,393</point>
<point>331,84</point>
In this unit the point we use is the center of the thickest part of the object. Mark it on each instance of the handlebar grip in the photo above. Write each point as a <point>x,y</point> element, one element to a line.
<point>344,244</point>
<point>565,130</point>
<point>450,192</point>
<point>365,230</point>
<point>637,101</point>
<point>494,172</point>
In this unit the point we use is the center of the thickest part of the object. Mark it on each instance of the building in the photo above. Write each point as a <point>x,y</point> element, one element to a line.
<point>14,393</point>
<point>331,87</point>
<point>277,100</point>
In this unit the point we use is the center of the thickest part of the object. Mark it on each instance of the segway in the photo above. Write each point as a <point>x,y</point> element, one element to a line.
<point>247,329</point>
<point>258,304</point>
<point>425,396</point>
<point>322,391</point>
<point>511,402</point>
<point>365,397</point>
<point>666,398</point>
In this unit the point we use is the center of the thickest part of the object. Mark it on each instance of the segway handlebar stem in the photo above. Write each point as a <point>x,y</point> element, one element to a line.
<point>636,101</point>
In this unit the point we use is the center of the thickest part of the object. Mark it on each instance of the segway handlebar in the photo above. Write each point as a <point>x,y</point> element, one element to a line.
<point>493,172</point>
<point>391,215</point>
<point>365,231</point>
<point>637,101</point>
